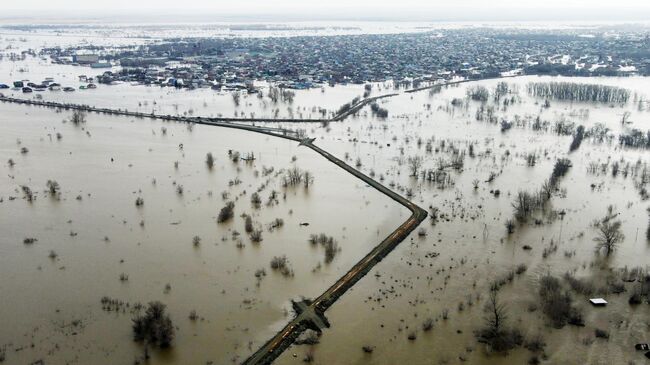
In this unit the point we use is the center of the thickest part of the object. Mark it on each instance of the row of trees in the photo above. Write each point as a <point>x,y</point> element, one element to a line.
<point>280,94</point>
<point>579,92</point>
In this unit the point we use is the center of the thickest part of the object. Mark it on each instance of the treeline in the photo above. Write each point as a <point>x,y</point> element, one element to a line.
<point>579,92</point>
<point>554,69</point>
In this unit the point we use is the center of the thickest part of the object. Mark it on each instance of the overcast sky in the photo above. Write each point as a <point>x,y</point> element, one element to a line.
<point>347,9</point>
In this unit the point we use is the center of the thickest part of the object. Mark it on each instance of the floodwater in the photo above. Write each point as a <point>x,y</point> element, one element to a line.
<point>461,254</point>
<point>216,278</point>
<point>471,242</point>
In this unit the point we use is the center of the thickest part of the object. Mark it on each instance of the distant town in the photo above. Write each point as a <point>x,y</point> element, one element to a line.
<point>304,62</point>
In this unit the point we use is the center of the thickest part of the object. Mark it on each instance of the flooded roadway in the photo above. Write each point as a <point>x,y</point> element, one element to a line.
<point>310,315</point>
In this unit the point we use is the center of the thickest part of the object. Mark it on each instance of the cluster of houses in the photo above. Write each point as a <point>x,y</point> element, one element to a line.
<point>27,86</point>
<point>308,61</point>
<point>183,76</point>
<point>469,53</point>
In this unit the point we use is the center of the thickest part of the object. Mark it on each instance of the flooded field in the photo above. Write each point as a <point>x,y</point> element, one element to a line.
<point>92,240</point>
<point>171,101</point>
<point>425,302</point>
<point>464,157</point>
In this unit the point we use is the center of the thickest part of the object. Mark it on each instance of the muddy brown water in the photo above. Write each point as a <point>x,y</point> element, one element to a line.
<point>409,287</point>
<point>217,278</point>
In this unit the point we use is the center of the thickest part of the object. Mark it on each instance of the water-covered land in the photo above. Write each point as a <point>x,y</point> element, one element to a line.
<point>535,187</point>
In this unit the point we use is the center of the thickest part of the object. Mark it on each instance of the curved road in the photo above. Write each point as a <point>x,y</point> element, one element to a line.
<point>309,314</point>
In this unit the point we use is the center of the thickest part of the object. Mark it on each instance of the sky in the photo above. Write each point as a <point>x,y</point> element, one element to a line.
<point>421,10</point>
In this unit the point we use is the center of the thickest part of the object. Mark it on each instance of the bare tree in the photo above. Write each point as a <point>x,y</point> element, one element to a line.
<point>256,200</point>
<point>235,98</point>
<point>308,179</point>
<point>29,195</point>
<point>53,187</point>
<point>626,117</point>
<point>78,117</point>
<point>495,312</point>
<point>293,177</point>
<point>209,160</point>
<point>609,236</point>
<point>495,334</point>
<point>415,163</point>
<point>546,190</point>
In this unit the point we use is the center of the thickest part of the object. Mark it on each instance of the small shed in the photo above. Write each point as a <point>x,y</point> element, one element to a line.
<point>598,302</point>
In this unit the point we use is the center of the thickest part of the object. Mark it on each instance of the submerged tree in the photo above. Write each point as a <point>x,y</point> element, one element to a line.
<point>235,98</point>
<point>226,213</point>
<point>560,169</point>
<point>510,226</point>
<point>78,117</point>
<point>579,92</point>
<point>647,232</point>
<point>248,223</point>
<point>256,200</point>
<point>635,138</point>
<point>29,195</point>
<point>378,111</point>
<point>295,176</point>
<point>308,179</point>
<point>154,327</point>
<point>209,160</point>
<point>495,333</point>
<point>557,304</point>
<point>415,163</point>
<point>609,236</point>
<point>53,187</point>
<point>577,138</point>
<point>478,93</point>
